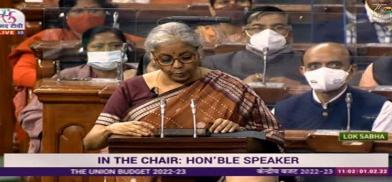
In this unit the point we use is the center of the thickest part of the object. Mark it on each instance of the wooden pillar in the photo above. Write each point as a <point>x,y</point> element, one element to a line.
<point>7,119</point>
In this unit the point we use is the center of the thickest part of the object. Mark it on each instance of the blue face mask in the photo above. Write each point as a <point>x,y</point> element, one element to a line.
<point>105,60</point>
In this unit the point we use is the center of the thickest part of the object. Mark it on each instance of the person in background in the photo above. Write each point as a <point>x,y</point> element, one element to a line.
<point>103,46</point>
<point>267,27</point>
<point>377,73</point>
<point>379,13</point>
<point>371,24</point>
<point>80,15</point>
<point>212,35</point>
<point>146,65</point>
<point>224,104</point>
<point>327,68</point>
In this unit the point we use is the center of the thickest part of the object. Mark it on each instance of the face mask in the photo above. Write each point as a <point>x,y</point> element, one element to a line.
<point>104,60</point>
<point>80,24</point>
<point>268,39</point>
<point>378,17</point>
<point>326,79</point>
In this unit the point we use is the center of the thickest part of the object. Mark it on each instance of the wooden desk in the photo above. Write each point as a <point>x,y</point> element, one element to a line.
<point>126,144</point>
<point>308,140</point>
<point>369,49</point>
<point>272,95</point>
<point>70,110</point>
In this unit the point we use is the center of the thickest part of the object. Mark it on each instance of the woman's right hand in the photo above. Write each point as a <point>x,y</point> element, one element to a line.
<point>132,128</point>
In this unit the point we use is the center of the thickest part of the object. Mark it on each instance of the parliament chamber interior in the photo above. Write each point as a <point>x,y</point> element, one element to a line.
<point>301,71</point>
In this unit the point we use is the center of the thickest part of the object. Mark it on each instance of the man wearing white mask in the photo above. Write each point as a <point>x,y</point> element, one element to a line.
<point>370,24</point>
<point>327,68</point>
<point>268,32</point>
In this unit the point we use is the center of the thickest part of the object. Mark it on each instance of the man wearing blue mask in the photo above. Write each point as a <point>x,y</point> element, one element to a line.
<point>327,68</point>
<point>268,32</point>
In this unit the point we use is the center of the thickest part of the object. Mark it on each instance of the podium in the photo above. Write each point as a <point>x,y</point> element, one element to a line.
<point>127,144</point>
<point>69,112</point>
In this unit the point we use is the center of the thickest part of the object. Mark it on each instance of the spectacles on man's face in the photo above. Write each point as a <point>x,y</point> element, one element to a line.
<point>166,59</point>
<point>280,28</point>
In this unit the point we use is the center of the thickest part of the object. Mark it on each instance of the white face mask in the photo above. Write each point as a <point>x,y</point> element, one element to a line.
<point>105,60</point>
<point>326,79</point>
<point>268,38</point>
<point>376,16</point>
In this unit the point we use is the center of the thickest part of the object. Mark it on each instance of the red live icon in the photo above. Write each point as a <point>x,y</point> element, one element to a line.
<point>7,32</point>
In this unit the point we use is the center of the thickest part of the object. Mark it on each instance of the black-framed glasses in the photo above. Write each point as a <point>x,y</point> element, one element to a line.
<point>282,29</point>
<point>166,59</point>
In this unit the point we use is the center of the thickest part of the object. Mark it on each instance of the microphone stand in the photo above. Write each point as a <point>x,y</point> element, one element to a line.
<point>120,68</point>
<point>58,70</point>
<point>265,52</point>
<point>348,100</point>
<point>115,20</point>
<point>162,105</point>
<point>193,107</point>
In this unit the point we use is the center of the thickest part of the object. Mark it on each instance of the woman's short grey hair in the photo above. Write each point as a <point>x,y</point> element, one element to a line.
<point>169,32</point>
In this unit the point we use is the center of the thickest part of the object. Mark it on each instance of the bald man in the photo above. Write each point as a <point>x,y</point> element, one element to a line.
<point>327,68</point>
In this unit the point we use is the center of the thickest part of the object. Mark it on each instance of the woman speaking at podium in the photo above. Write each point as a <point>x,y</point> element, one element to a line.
<point>223,102</point>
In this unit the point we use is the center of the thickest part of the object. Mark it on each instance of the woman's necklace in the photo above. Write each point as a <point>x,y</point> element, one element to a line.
<point>157,86</point>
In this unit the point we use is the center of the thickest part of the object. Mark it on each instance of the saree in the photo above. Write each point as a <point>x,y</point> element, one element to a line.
<point>217,95</point>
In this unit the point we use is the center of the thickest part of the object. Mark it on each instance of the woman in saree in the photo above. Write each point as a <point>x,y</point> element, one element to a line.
<point>223,102</point>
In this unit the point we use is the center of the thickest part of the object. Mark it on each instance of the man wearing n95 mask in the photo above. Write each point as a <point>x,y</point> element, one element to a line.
<point>327,68</point>
<point>267,28</point>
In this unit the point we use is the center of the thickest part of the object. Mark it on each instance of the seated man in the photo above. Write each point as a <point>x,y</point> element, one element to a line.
<point>267,28</point>
<point>371,24</point>
<point>212,35</point>
<point>328,68</point>
<point>377,73</point>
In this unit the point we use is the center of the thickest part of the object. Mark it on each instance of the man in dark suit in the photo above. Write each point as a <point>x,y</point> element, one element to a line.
<point>268,32</point>
<point>371,24</point>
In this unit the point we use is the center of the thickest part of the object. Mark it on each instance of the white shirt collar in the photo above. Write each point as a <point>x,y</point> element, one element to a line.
<point>333,99</point>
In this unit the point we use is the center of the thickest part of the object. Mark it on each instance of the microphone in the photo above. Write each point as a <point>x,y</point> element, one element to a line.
<point>120,69</point>
<point>348,100</point>
<point>265,52</point>
<point>193,108</point>
<point>115,20</point>
<point>162,104</point>
<point>195,20</point>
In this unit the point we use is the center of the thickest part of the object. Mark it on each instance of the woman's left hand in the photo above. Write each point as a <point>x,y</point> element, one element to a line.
<point>224,126</point>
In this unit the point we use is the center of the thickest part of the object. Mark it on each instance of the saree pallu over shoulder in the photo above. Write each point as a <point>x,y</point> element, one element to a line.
<point>217,95</point>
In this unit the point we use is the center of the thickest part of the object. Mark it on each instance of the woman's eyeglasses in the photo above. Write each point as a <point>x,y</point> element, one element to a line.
<point>166,60</point>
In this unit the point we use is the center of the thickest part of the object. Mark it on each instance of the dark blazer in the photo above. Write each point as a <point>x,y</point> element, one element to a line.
<point>244,63</point>
<point>382,71</point>
<point>333,30</point>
